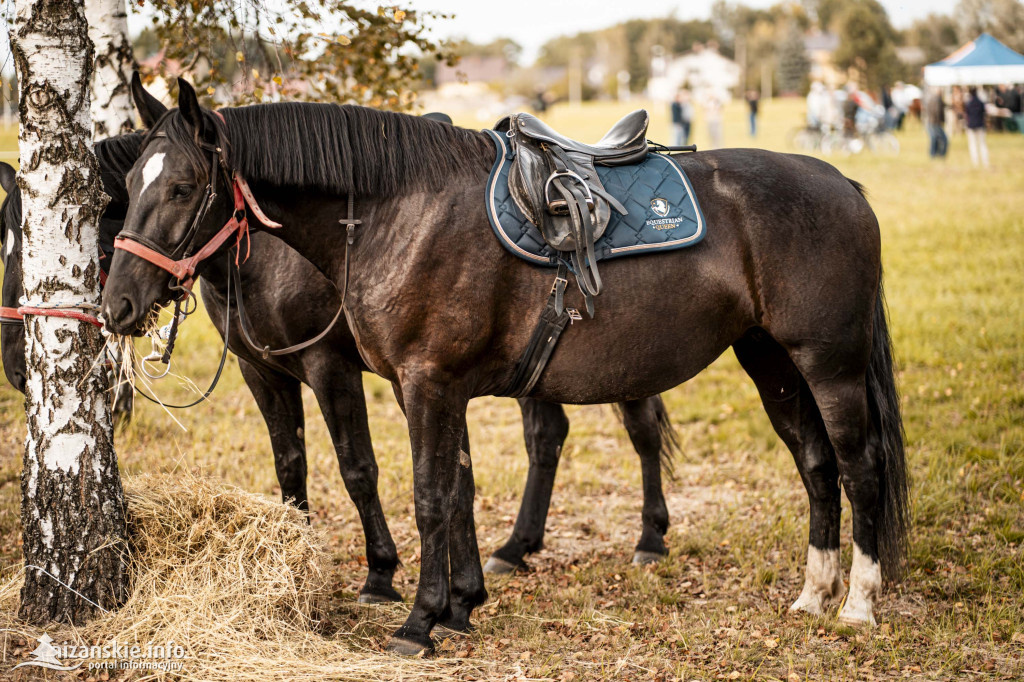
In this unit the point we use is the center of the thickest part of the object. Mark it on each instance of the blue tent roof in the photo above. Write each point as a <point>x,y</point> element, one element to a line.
<point>983,51</point>
<point>983,61</point>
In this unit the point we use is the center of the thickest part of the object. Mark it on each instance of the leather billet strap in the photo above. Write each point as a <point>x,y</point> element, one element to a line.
<point>543,341</point>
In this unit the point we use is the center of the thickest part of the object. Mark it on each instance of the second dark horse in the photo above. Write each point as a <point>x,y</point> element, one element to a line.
<point>278,281</point>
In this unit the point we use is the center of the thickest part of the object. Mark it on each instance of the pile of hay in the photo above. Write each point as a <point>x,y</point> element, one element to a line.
<point>238,581</point>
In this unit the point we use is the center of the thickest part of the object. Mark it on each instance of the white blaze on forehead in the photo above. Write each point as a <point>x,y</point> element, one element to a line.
<point>10,241</point>
<point>152,170</point>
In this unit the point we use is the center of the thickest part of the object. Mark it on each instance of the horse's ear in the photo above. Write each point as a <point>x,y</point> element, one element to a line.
<point>7,177</point>
<point>188,103</point>
<point>150,108</point>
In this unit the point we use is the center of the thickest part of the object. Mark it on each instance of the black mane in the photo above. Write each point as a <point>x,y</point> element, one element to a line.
<point>338,149</point>
<point>117,155</point>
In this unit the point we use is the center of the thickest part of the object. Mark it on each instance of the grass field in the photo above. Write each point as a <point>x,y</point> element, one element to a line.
<point>953,242</point>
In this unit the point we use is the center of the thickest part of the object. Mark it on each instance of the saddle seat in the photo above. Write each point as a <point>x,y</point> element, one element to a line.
<point>623,145</point>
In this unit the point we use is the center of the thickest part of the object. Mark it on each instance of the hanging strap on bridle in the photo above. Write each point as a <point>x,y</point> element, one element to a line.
<point>220,367</point>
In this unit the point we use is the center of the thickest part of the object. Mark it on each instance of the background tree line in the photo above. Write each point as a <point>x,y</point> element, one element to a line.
<point>771,39</point>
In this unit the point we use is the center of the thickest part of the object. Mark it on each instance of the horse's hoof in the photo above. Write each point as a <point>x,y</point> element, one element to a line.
<point>499,566</point>
<point>856,613</point>
<point>408,647</point>
<point>856,619</point>
<point>379,598</point>
<point>808,604</point>
<point>444,632</point>
<point>642,558</point>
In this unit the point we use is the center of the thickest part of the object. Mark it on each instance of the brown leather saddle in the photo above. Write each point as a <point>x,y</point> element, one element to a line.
<point>554,183</point>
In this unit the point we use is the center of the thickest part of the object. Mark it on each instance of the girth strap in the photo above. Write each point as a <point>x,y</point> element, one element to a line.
<point>545,337</point>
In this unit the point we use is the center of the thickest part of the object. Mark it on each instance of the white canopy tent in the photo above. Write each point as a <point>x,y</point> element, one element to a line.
<point>983,61</point>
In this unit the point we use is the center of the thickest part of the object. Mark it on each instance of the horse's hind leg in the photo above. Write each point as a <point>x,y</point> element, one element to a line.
<point>280,401</point>
<point>796,419</point>
<point>644,421</point>
<point>545,427</point>
<point>841,395</point>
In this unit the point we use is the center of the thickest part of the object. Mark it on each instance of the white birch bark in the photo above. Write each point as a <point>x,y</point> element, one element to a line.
<point>73,522</point>
<point>112,110</point>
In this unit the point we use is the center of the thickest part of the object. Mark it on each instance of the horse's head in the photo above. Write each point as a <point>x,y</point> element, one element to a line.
<point>12,332</point>
<point>179,194</point>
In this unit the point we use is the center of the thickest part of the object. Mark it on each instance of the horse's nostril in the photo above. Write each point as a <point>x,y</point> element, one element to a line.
<point>117,315</point>
<point>124,311</point>
<point>19,381</point>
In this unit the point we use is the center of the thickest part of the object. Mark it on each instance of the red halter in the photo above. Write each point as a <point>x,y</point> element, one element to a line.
<point>184,268</point>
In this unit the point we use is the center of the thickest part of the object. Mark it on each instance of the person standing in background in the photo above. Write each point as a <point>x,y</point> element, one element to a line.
<point>713,117</point>
<point>682,117</point>
<point>974,112</point>
<point>676,111</point>
<point>753,99</point>
<point>934,120</point>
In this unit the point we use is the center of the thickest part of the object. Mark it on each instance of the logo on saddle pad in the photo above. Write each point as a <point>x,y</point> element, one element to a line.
<point>661,207</point>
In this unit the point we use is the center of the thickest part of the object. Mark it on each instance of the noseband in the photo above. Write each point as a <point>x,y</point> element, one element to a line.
<point>183,269</point>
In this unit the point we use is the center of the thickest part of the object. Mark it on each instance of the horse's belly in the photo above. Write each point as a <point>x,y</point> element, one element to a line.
<point>641,342</point>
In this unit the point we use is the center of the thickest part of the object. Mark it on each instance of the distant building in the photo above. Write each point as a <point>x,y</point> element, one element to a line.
<point>820,46</point>
<point>702,69</point>
<point>474,69</point>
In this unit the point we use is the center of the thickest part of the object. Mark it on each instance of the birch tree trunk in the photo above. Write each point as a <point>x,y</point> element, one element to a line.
<point>112,110</point>
<point>72,510</point>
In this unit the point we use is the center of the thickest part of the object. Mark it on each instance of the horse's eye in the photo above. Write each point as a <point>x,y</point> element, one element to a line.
<point>182,190</point>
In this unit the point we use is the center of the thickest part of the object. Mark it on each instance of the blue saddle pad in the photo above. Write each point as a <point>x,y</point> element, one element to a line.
<point>663,211</point>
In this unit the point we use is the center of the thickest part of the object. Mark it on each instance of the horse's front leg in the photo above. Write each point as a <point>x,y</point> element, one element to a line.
<point>467,577</point>
<point>436,413</point>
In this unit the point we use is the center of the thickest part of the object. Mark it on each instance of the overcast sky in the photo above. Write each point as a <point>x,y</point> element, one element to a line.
<point>532,22</point>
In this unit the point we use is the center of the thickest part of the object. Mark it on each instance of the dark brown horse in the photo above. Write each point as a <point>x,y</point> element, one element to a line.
<point>789,275</point>
<point>278,285</point>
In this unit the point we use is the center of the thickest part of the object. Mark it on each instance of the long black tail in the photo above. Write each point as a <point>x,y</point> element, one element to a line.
<point>893,524</point>
<point>668,436</point>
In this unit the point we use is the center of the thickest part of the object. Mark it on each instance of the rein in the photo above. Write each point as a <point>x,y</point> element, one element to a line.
<point>220,367</point>
<point>350,223</point>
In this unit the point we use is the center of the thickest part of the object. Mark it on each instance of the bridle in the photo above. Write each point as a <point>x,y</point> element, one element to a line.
<point>183,269</point>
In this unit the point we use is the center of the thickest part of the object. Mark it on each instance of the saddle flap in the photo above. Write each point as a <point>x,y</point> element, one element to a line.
<point>548,191</point>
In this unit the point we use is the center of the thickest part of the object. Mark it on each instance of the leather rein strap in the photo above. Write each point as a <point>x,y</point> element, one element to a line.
<point>11,316</point>
<point>265,351</point>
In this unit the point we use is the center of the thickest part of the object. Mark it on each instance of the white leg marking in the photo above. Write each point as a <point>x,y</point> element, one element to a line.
<point>152,170</point>
<point>823,581</point>
<point>865,586</point>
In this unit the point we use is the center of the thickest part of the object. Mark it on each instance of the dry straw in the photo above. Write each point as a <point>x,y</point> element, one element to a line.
<point>241,583</point>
